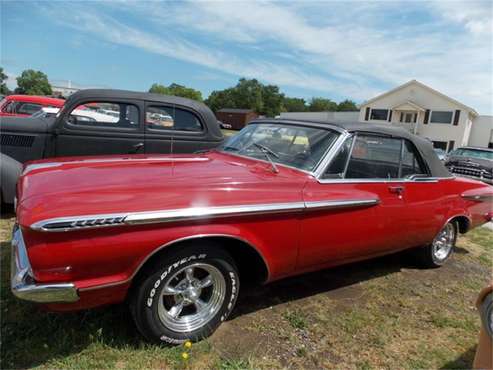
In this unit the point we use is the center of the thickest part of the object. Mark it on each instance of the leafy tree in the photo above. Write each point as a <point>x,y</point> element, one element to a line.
<point>176,90</point>
<point>4,90</point>
<point>347,106</point>
<point>322,105</point>
<point>294,104</point>
<point>248,94</point>
<point>32,82</point>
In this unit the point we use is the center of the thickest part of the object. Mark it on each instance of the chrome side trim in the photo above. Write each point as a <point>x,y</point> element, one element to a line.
<point>22,283</point>
<point>384,181</point>
<point>478,197</point>
<point>187,214</point>
<point>195,213</point>
<point>341,204</point>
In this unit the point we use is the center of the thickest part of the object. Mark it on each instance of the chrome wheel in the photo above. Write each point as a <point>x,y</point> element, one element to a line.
<point>444,242</point>
<point>191,297</point>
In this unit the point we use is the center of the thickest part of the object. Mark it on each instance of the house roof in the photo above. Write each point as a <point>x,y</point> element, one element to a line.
<point>420,84</point>
<point>235,110</point>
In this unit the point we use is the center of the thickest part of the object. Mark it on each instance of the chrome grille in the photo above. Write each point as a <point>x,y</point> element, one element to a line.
<point>475,172</point>
<point>17,140</point>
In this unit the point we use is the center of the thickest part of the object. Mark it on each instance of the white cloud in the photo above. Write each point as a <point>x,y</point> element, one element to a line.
<point>353,49</point>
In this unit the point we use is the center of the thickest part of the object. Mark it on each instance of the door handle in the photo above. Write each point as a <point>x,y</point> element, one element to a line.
<point>136,147</point>
<point>396,189</point>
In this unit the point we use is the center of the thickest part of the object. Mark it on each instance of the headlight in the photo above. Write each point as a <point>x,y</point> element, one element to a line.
<point>486,312</point>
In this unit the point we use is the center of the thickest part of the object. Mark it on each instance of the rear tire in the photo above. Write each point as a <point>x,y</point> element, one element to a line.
<point>440,250</point>
<point>186,296</point>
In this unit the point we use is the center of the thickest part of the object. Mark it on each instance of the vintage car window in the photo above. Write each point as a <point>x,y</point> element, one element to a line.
<point>412,164</point>
<point>374,157</point>
<point>473,153</point>
<point>9,107</point>
<point>337,166</point>
<point>296,146</point>
<point>171,118</point>
<point>105,114</point>
<point>28,108</point>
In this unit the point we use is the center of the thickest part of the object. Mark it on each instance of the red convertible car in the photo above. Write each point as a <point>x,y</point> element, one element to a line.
<point>176,235</point>
<point>26,105</point>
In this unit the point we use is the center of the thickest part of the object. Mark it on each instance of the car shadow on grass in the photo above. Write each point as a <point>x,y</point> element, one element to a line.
<point>464,361</point>
<point>33,337</point>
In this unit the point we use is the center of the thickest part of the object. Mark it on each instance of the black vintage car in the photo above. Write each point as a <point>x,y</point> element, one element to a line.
<point>94,122</point>
<point>473,162</point>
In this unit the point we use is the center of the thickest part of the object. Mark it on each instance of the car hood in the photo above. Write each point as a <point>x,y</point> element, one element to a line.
<point>112,184</point>
<point>469,162</point>
<point>26,124</point>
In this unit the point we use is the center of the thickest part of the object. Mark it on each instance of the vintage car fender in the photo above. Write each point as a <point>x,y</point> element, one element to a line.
<point>10,170</point>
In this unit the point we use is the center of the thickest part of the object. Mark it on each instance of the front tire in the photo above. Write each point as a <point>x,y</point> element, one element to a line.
<point>187,296</point>
<point>440,250</point>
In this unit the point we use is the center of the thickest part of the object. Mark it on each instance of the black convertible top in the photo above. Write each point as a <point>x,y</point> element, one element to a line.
<point>199,107</point>
<point>424,146</point>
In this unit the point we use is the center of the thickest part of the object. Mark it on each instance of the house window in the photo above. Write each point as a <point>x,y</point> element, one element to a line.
<point>441,117</point>
<point>379,114</point>
<point>408,118</point>
<point>440,145</point>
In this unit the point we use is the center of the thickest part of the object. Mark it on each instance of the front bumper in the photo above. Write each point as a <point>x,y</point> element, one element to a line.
<point>22,283</point>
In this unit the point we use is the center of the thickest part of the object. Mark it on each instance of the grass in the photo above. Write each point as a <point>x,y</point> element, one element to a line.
<point>384,313</point>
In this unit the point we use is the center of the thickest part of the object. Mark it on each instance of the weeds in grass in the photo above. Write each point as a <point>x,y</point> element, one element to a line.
<point>296,319</point>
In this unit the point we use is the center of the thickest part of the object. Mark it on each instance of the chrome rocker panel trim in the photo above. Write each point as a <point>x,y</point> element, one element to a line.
<point>22,283</point>
<point>187,214</point>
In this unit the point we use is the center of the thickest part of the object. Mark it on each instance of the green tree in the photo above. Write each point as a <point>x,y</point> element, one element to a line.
<point>32,82</point>
<point>347,106</point>
<point>4,90</point>
<point>176,90</point>
<point>322,105</point>
<point>294,104</point>
<point>248,94</point>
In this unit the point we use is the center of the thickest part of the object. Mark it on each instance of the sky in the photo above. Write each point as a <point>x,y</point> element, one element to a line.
<point>338,50</point>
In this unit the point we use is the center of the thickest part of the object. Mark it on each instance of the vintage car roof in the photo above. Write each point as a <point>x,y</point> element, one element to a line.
<point>425,146</point>
<point>200,107</point>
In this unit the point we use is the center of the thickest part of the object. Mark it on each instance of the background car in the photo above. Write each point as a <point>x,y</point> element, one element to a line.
<point>26,105</point>
<point>473,162</point>
<point>484,352</point>
<point>107,122</point>
<point>442,154</point>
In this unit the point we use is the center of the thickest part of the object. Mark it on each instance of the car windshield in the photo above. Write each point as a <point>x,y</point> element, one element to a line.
<point>297,146</point>
<point>474,153</point>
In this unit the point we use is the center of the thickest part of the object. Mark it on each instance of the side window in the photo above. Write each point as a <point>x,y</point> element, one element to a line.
<point>9,107</point>
<point>171,118</point>
<point>28,108</point>
<point>412,164</point>
<point>374,157</point>
<point>337,166</point>
<point>105,114</point>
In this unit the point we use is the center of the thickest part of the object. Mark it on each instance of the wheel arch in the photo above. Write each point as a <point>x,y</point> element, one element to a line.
<point>251,264</point>
<point>463,222</point>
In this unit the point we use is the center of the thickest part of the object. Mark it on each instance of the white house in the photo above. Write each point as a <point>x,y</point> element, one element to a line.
<point>431,114</point>
<point>422,110</point>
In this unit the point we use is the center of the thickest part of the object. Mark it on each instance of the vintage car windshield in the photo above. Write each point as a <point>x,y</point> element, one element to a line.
<point>473,153</point>
<point>296,146</point>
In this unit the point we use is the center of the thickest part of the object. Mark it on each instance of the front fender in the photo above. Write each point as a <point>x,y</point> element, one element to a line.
<point>10,170</point>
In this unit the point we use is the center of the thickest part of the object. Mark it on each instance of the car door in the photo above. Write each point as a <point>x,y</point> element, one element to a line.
<point>170,128</point>
<point>95,127</point>
<point>426,207</point>
<point>364,204</point>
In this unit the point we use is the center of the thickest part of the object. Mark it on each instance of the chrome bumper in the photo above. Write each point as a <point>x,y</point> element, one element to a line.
<point>22,283</point>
